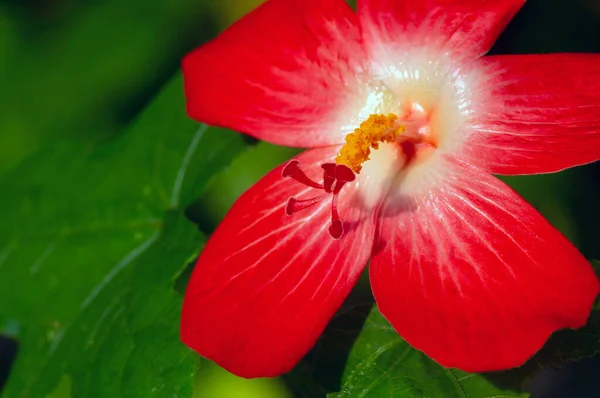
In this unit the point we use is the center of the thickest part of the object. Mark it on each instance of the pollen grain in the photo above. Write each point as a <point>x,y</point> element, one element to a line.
<point>373,131</point>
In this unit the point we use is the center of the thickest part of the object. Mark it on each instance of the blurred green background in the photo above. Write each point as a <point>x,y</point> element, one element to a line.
<point>81,72</point>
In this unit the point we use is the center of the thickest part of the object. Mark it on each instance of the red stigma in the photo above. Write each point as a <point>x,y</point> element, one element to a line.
<point>335,176</point>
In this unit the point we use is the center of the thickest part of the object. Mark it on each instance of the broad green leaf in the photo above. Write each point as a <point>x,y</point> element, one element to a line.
<point>93,237</point>
<point>382,364</point>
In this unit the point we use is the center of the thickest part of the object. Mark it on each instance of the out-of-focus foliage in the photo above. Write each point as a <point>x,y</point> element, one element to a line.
<point>93,231</point>
<point>79,69</point>
<point>97,231</point>
<point>215,382</point>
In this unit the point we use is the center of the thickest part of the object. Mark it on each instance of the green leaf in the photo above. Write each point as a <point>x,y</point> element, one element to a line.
<point>98,233</point>
<point>382,364</point>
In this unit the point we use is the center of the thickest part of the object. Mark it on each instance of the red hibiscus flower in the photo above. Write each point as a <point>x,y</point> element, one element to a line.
<point>407,121</point>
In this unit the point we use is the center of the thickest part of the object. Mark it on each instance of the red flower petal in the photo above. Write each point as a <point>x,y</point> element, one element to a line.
<point>466,29</point>
<point>284,73</point>
<point>543,114</point>
<point>267,283</point>
<point>475,277</point>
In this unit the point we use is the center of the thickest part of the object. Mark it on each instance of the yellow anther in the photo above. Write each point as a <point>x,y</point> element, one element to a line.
<point>374,130</point>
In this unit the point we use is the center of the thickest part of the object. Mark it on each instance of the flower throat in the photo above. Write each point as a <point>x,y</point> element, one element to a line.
<point>373,131</point>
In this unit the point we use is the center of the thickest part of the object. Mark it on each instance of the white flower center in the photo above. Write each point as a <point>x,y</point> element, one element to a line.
<point>434,102</point>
